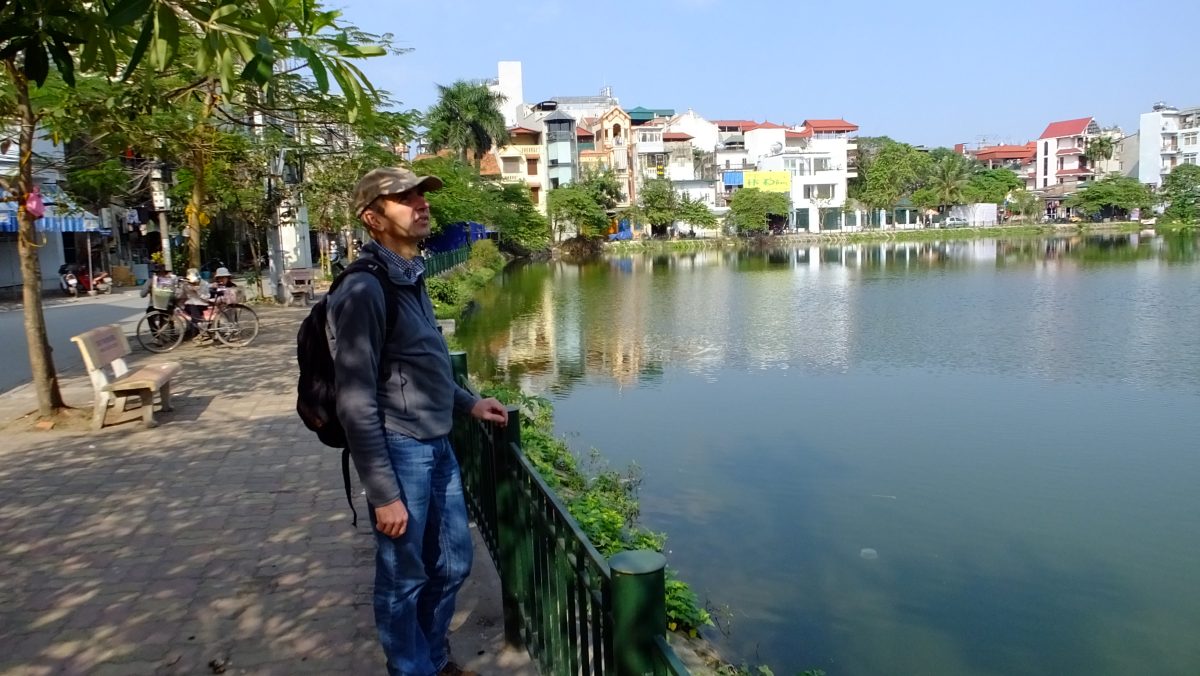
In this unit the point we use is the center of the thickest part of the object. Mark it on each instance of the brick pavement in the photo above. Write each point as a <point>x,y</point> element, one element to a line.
<point>221,535</point>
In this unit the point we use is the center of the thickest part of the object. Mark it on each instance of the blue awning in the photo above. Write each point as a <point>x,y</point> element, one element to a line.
<point>71,220</point>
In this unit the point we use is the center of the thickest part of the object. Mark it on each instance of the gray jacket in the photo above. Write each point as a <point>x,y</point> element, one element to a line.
<point>412,391</point>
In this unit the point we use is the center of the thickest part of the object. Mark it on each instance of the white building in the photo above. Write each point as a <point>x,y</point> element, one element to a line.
<point>1168,137</point>
<point>510,85</point>
<point>819,157</point>
<point>1061,149</point>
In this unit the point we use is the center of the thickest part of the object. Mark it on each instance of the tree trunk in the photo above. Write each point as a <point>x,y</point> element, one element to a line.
<point>197,204</point>
<point>41,361</point>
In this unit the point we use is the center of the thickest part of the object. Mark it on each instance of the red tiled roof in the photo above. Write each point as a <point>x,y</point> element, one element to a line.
<point>807,133</point>
<point>764,125</point>
<point>580,131</point>
<point>518,129</point>
<point>1074,172</point>
<point>676,136</point>
<point>740,124</point>
<point>831,125</point>
<point>1070,151</point>
<point>1067,128</point>
<point>1006,152</point>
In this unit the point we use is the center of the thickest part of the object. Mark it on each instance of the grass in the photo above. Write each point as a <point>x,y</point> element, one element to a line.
<point>922,235</point>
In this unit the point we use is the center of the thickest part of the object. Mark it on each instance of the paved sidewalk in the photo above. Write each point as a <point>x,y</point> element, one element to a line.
<point>220,538</point>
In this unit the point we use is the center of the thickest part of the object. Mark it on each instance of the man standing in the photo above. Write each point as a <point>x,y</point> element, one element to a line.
<point>396,396</point>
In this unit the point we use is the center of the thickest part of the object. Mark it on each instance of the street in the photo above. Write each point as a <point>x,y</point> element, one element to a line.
<point>64,318</point>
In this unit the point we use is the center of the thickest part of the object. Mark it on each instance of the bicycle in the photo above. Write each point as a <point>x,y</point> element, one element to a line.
<point>231,323</point>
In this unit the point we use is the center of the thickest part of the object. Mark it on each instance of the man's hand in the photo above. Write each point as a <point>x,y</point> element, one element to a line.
<point>392,519</point>
<point>490,410</point>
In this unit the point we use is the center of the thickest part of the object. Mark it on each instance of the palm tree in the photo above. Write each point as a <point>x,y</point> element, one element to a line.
<point>466,120</point>
<point>1099,148</point>
<point>947,179</point>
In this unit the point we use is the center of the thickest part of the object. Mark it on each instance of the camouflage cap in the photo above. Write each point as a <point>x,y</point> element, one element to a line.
<point>389,181</point>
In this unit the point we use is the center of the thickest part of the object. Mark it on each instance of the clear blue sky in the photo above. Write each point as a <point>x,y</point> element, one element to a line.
<point>926,72</point>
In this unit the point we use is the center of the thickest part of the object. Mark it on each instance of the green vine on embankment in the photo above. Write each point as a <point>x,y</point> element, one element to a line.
<point>602,500</point>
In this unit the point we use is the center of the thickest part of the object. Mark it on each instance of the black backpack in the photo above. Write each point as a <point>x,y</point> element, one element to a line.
<point>316,401</point>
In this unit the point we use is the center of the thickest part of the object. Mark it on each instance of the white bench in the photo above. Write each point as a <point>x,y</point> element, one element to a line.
<point>104,349</point>
<point>300,284</point>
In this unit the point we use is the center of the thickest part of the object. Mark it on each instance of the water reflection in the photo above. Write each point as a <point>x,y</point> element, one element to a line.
<point>1024,304</point>
<point>946,457</point>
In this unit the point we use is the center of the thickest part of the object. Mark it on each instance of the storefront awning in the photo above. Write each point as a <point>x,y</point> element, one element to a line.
<point>71,219</point>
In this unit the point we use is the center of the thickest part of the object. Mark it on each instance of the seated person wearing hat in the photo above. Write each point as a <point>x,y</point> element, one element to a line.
<point>222,279</point>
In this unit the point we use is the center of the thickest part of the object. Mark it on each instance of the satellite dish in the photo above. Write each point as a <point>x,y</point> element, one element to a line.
<point>776,147</point>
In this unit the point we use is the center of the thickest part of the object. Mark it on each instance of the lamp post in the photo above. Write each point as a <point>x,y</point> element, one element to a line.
<point>275,173</point>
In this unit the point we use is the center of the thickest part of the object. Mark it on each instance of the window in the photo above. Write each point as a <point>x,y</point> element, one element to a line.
<point>535,195</point>
<point>821,164</point>
<point>1045,147</point>
<point>822,191</point>
<point>1189,139</point>
<point>1189,159</point>
<point>511,165</point>
<point>531,166</point>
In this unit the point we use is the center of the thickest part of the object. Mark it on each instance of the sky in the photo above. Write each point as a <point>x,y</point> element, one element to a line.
<point>924,72</point>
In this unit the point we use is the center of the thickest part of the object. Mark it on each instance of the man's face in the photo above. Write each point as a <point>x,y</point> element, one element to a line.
<point>404,215</point>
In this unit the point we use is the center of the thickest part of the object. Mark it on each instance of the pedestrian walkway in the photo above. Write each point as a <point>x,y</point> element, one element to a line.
<point>219,542</point>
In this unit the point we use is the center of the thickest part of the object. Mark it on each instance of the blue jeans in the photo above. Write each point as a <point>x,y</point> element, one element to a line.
<point>418,574</point>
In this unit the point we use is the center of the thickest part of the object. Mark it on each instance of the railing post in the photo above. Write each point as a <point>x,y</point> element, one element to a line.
<point>458,362</point>
<point>639,608</point>
<point>511,530</point>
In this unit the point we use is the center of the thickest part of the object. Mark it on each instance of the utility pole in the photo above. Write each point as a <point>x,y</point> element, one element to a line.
<point>158,197</point>
<point>274,172</point>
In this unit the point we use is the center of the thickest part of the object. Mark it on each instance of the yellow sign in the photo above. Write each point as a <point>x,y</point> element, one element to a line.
<point>768,181</point>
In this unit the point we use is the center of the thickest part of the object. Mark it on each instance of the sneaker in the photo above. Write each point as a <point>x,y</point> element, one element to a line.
<point>452,669</point>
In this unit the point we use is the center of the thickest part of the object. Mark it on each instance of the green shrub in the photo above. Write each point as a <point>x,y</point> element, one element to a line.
<point>444,291</point>
<point>485,254</point>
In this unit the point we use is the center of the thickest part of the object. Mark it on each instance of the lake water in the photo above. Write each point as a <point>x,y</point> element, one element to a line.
<point>937,458</point>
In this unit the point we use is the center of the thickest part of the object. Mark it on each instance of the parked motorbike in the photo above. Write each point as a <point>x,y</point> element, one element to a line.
<point>72,279</point>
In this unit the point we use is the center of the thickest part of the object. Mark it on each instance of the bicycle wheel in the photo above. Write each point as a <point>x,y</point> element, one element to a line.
<point>236,325</point>
<point>160,331</point>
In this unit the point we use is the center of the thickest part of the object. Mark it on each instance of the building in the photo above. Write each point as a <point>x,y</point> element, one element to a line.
<point>521,161</point>
<point>1020,159</point>
<point>1168,137</point>
<point>818,158</point>
<point>510,85</point>
<point>58,231</point>
<point>1061,153</point>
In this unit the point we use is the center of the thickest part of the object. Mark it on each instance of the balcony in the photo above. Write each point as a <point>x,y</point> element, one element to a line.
<point>1169,149</point>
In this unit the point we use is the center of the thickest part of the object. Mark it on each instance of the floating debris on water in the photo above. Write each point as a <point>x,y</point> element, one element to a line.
<point>869,554</point>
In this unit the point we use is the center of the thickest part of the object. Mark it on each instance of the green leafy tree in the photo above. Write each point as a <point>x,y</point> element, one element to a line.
<point>233,42</point>
<point>893,171</point>
<point>603,186</point>
<point>695,213</point>
<point>465,120</point>
<point>947,178</point>
<point>1027,204</point>
<point>657,205</point>
<point>1111,197</point>
<point>523,230</point>
<point>992,186</point>
<point>751,209</point>
<point>1181,190</point>
<point>573,204</point>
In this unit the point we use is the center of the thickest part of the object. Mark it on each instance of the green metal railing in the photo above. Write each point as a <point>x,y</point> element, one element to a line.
<point>439,263</point>
<point>572,610</point>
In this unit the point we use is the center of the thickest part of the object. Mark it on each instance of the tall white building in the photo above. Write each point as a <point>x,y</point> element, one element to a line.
<point>819,157</point>
<point>1167,138</point>
<point>509,84</point>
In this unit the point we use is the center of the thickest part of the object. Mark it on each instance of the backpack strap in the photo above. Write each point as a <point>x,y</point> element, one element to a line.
<point>389,301</point>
